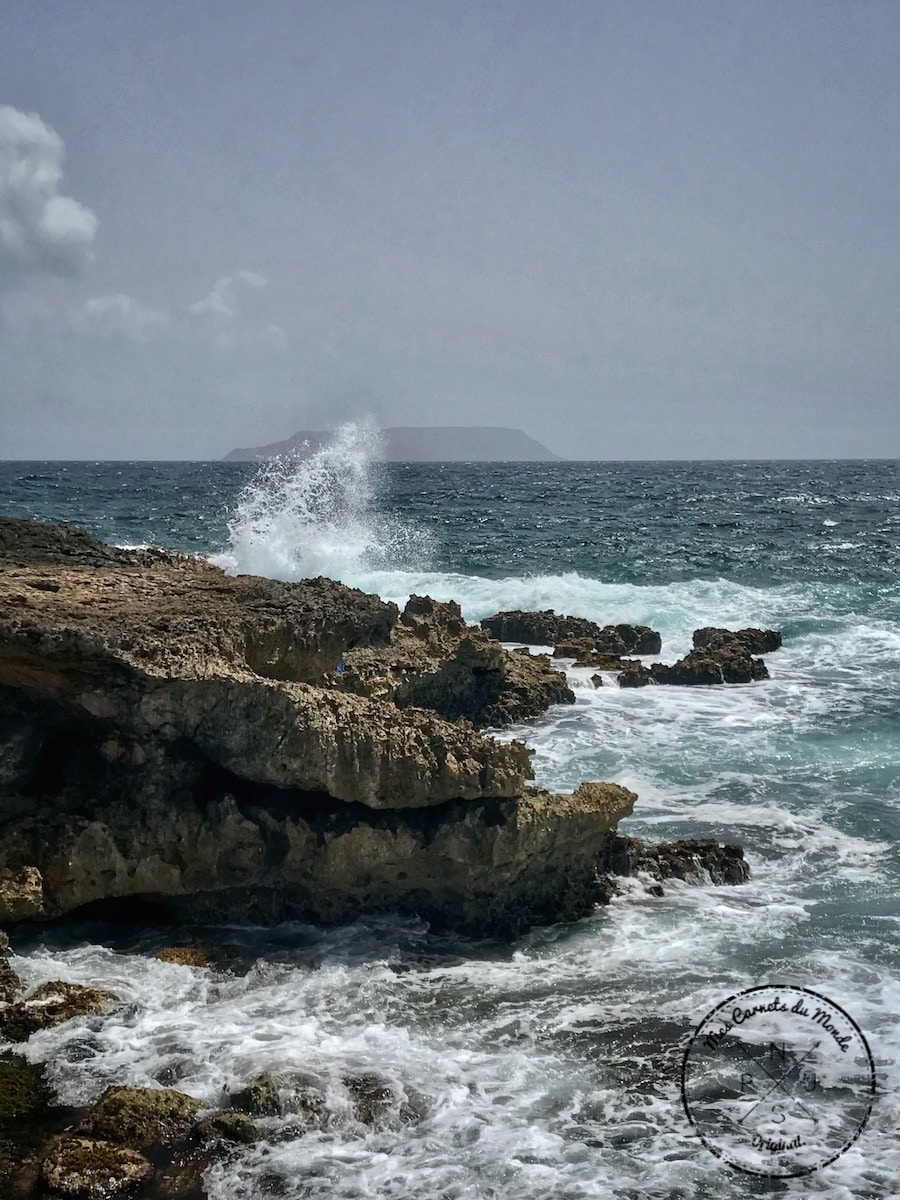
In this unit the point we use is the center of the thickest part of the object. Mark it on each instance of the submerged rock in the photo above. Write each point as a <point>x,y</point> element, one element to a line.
<point>140,1117</point>
<point>50,1004</point>
<point>90,1169</point>
<point>229,1128</point>
<point>293,1094</point>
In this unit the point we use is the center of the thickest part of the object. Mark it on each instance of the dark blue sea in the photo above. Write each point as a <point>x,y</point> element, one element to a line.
<point>550,1067</point>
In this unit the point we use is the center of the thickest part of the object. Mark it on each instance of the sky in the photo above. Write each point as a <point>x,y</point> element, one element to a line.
<point>633,228</point>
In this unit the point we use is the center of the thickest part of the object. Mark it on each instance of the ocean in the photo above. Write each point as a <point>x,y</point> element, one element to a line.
<point>549,1067</point>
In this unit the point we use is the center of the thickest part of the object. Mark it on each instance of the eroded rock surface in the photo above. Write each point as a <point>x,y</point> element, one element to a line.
<point>50,1004</point>
<point>436,661</point>
<point>549,628</point>
<point>753,641</point>
<point>91,1169</point>
<point>141,1118</point>
<point>170,733</point>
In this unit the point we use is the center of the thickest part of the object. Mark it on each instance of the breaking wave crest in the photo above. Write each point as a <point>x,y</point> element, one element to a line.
<point>309,514</point>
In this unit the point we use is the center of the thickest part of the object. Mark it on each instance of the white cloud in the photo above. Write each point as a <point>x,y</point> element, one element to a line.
<point>121,316</point>
<point>40,230</point>
<point>221,305</point>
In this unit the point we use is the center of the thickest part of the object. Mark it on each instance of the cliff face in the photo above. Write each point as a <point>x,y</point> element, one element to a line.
<point>447,443</point>
<point>173,733</point>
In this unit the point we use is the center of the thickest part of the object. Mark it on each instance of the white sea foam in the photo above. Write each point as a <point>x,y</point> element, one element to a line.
<point>315,514</point>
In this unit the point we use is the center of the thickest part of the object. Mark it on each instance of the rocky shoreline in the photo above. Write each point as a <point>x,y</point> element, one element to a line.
<point>233,748</point>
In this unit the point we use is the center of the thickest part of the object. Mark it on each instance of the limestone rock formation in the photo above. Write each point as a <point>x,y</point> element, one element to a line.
<point>753,641</point>
<point>436,661</point>
<point>173,734</point>
<point>572,637</point>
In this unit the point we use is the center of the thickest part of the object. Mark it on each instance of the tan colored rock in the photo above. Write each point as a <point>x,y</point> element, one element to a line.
<point>10,983</point>
<point>185,956</point>
<point>21,894</point>
<point>89,1169</point>
<point>50,1004</point>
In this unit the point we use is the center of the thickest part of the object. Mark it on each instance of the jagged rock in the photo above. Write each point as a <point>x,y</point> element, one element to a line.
<point>436,661</point>
<point>597,680</point>
<point>173,734</point>
<point>695,860</point>
<point>295,1094</point>
<point>91,1169</point>
<point>50,1004</point>
<point>724,663</point>
<point>21,894</point>
<point>754,641</point>
<point>4,942</point>
<point>538,628</point>
<point>140,1117</point>
<point>634,674</point>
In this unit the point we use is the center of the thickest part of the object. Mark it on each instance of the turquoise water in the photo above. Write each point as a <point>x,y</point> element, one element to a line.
<point>551,1066</point>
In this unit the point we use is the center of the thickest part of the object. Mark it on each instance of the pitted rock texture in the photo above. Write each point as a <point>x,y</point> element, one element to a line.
<point>753,641</point>
<point>436,661</point>
<point>50,1004</point>
<point>174,735</point>
<point>549,628</point>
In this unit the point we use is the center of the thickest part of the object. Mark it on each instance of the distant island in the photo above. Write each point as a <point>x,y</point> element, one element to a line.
<point>408,443</point>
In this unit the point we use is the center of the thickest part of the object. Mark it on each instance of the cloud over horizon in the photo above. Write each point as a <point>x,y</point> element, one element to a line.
<point>41,230</point>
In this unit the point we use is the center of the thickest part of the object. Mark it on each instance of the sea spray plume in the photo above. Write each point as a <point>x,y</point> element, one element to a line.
<point>302,516</point>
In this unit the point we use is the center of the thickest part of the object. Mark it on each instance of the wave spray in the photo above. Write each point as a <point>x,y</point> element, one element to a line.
<point>304,515</point>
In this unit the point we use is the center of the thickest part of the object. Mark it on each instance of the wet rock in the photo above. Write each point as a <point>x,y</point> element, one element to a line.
<point>694,860</point>
<point>269,1095</point>
<point>597,680</point>
<point>639,639</point>
<point>23,1087</point>
<point>634,674</point>
<point>186,956</point>
<point>538,628</point>
<point>10,983</point>
<point>4,942</point>
<point>372,1097</point>
<point>89,1169</point>
<point>230,1128</point>
<point>182,1178</point>
<point>141,1117</point>
<point>50,1004</point>
<point>21,894</point>
<point>725,663</point>
<point>754,641</point>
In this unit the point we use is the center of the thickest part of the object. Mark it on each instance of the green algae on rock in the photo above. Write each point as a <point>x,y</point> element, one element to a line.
<point>141,1117</point>
<point>50,1004</point>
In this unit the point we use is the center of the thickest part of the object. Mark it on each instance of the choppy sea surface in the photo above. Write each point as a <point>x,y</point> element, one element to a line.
<point>549,1067</point>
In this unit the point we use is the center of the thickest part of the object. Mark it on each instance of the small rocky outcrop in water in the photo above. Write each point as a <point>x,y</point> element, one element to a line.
<point>694,860</point>
<point>549,628</point>
<point>753,641</point>
<point>436,661</point>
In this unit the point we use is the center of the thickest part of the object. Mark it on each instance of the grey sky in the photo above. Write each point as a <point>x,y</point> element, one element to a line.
<point>633,229</point>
